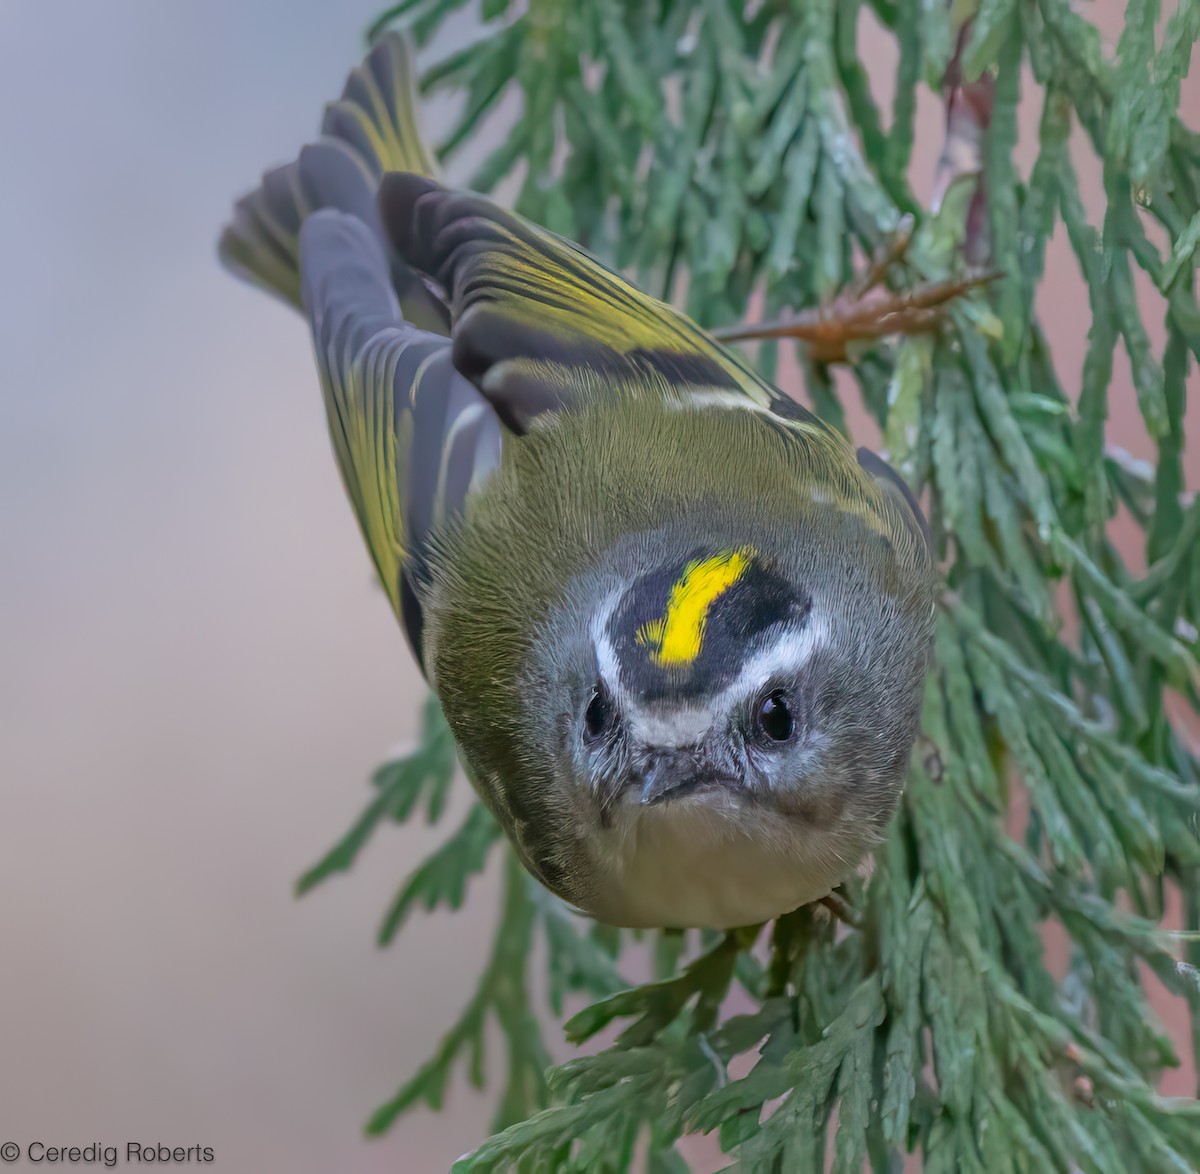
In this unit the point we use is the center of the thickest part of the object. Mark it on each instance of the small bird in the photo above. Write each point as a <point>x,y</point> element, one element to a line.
<point>679,628</point>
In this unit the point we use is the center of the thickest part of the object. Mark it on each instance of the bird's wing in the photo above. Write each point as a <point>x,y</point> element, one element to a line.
<point>536,322</point>
<point>412,434</point>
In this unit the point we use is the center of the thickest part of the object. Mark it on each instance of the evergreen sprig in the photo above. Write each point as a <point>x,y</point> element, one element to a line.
<point>717,149</point>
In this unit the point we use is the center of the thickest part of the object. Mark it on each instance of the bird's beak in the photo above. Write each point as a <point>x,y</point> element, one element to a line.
<point>673,775</point>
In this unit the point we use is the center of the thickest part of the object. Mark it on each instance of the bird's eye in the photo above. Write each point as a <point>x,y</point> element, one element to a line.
<point>598,717</point>
<point>773,718</point>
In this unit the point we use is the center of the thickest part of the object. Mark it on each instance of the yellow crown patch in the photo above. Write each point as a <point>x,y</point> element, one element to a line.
<point>675,640</point>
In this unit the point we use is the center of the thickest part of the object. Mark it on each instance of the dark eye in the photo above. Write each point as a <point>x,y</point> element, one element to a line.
<point>598,717</point>
<point>774,719</point>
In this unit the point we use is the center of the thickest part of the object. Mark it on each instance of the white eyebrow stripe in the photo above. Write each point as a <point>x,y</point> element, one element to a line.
<point>606,655</point>
<point>788,653</point>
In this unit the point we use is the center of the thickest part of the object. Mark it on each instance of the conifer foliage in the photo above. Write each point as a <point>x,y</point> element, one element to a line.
<point>719,149</point>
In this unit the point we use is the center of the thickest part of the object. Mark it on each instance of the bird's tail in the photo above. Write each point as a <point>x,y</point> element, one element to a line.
<point>371,129</point>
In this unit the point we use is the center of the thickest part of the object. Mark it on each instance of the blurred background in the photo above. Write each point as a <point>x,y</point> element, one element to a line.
<point>197,673</point>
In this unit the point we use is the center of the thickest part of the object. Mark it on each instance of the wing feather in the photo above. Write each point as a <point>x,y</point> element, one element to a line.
<point>411,434</point>
<point>537,323</point>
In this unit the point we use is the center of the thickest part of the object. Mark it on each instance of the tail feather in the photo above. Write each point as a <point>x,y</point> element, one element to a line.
<point>331,174</point>
<point>370,130</point>
<point>381,95</point>
<point>260,242</point>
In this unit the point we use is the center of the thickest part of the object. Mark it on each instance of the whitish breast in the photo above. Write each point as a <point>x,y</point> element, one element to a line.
<point>693,862</point>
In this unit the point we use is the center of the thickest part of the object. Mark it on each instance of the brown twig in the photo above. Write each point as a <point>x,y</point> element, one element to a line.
<point>891,251</point>
<point>856,317</point>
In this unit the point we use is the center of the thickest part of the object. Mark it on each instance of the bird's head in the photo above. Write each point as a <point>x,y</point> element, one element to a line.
<point>765,689</point>
<point>699,687</point>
